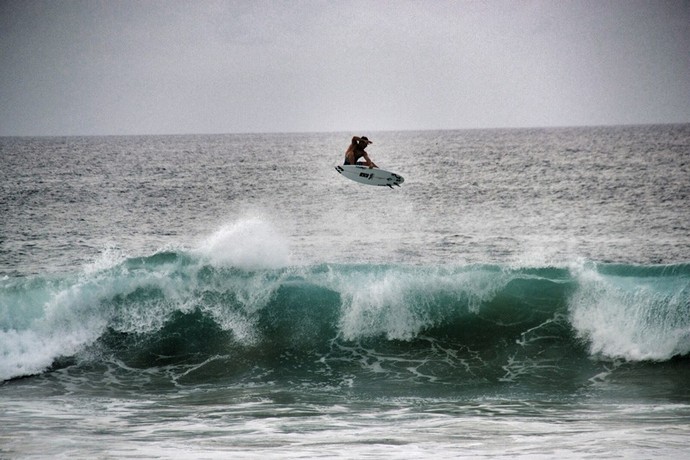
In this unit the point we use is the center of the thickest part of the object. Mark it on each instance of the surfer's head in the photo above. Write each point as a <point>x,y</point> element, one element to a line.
<point>365,140</point>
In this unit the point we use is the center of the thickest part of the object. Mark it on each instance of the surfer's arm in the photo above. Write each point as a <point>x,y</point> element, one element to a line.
<point>368,161</point>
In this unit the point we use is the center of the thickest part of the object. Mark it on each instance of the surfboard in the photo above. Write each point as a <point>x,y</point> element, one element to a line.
<point>370,176</point>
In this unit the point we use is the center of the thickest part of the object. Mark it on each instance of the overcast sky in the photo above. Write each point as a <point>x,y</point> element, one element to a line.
<point>167,67</point>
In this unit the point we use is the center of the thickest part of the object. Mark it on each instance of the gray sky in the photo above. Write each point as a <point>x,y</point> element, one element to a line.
<point>166,67</point>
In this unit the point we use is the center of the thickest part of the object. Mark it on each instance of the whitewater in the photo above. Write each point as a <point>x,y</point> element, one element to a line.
<point>526,293</point>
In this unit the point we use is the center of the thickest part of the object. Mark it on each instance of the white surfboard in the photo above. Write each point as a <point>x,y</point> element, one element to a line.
<point>370,176</point>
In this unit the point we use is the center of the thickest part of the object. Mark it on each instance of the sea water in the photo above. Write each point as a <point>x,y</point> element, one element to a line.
<point>525,293</point>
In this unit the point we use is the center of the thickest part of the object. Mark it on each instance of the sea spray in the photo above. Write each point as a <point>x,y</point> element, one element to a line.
<point>249,243</point>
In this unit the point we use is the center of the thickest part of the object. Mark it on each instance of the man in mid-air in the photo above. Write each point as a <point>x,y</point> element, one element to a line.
<point>356,151</point>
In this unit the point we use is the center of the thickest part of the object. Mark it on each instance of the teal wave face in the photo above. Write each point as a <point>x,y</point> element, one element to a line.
<point>391,323</point>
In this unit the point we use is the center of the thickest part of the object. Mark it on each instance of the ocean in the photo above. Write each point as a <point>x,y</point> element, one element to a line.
<point>524,294</point>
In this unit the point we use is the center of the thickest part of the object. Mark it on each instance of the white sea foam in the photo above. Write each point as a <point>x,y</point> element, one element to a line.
<point>398,303</point>
<point>630,317</point>
<point>64,326</point>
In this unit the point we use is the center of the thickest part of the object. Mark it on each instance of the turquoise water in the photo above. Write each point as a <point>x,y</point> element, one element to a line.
<point>524,293</point>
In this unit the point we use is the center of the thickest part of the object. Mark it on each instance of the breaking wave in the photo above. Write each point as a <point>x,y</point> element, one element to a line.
<point>467,322</point>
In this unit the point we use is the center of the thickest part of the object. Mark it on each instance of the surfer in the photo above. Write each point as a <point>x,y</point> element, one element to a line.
<point>356,151</point>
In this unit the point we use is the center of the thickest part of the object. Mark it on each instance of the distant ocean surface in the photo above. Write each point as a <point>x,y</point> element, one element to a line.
<point>524,294</point>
